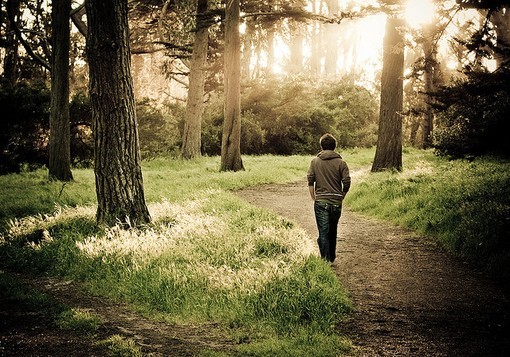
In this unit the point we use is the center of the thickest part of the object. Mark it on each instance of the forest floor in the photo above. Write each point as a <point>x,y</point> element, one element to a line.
<point>410,299</point>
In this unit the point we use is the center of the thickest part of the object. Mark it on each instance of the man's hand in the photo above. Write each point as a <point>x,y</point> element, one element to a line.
<point>312,192</point>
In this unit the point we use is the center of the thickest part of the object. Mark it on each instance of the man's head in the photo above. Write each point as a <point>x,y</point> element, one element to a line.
<point>328,142</point>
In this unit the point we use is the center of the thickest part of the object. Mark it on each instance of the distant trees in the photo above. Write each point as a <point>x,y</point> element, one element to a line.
<point>119,184</point>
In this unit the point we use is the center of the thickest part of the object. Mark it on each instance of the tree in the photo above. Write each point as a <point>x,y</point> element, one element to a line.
<point>231,136</point>
<point>119,184</point>
<point>388,153</point>
<point>10,42</point>
<point>191,140</point>
<point>59,165</point>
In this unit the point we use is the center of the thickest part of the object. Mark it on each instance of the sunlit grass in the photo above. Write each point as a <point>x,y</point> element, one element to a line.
<point>79,320</point>
<point>119,346</point>
<point>465,205</point>
<point>208,256</point>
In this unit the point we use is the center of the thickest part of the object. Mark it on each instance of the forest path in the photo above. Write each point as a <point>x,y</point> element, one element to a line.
<point>410,297</point>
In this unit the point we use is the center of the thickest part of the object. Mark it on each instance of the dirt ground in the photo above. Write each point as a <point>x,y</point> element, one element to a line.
<point>410,298</point>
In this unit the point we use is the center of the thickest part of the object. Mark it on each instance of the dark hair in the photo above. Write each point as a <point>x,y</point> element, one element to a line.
<point>328,142</point>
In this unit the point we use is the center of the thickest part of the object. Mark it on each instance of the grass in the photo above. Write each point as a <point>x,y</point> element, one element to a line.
<point>208,256</point>
<point>32,301</point>
<point>464,205</point>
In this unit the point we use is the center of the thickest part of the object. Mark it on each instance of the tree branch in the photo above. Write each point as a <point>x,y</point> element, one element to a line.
<point>38,59</point>
<point>76,17</point>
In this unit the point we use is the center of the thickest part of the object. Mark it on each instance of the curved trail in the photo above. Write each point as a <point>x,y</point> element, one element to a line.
<point>411,298</point>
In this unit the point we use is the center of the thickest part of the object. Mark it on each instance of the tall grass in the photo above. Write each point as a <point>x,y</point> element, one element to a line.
<point>464,205</point>
<point>208,256</point>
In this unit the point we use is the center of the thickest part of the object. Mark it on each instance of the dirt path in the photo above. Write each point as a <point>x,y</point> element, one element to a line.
<point>411,298</point>
<point>33,333</point>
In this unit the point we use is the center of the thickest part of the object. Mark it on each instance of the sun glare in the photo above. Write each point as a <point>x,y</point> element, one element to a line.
<point>419,12</point>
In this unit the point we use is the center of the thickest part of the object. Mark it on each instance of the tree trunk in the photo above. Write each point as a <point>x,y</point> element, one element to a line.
<point>388,153</point>
<point>59,166</point>
<point>296,48</point>
<point>119,184</point>
<point>11,56</point>
<point>271,60</point>
<point>191,140</point>
<point>247,50</point>
<point>331,32</point>
<point>428,76</point>
<point>231,137</point>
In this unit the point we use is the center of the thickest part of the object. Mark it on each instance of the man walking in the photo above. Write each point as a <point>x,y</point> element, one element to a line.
<point>328,182</point>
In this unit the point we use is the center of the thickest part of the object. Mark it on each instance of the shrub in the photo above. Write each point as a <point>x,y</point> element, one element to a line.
<point>287,118</point>
<point>159,129</point>
<point>473,115</point>
<point>25,119</point>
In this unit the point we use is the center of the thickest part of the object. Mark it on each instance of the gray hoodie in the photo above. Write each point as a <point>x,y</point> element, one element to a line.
<point>329,174</point>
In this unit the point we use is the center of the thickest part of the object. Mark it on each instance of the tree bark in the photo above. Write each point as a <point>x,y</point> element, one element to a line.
<point>428,76</point>
<point>231,136</point>
<point>59,166</point>
<point>11,56</point>
<point>119,183</point>
<point>331,32</point>
<point>191,140</point>
<point>388,153</point>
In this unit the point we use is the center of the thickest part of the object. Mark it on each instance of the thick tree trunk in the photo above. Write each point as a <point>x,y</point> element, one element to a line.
<point>231,137</point>
<point>59,166</point>
<point>388,153</point>
<point>191,140</point>
<point>119,184</point>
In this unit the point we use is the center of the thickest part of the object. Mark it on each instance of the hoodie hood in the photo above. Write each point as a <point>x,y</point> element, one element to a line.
<point>328,155</point>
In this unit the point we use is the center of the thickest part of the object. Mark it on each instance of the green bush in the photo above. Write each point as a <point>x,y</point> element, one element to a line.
<point>473,116</point>
<point>25,126</point>
<point>159,129</point>
<point>287,118</point>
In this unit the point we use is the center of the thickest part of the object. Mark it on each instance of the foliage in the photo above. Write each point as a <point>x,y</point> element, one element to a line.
<point>159,129</point>
<point>473,116</point>
<point>464,205</point>
<point>287,118</point>
<point>82,140</point>
<point>25,117</point>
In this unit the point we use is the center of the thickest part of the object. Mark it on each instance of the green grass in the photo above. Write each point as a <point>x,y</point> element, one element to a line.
<point>208,256</point>
<point>464,205</point>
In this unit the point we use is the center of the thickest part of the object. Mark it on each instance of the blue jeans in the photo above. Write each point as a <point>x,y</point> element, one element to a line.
<point>327,216</point>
